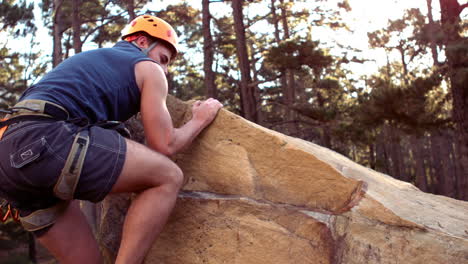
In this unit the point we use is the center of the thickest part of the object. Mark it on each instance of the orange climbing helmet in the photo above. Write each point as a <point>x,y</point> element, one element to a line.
<point>153,26</point>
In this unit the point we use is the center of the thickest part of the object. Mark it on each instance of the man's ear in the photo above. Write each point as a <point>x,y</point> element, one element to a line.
<point>142,41</point>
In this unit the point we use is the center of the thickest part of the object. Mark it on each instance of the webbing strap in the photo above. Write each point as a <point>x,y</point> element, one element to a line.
<point>32,110</point>
<point>2,128</point>
<point>147,50</point>
<point>41,108</point>
<point>66,184</point>
<point>44,217</point>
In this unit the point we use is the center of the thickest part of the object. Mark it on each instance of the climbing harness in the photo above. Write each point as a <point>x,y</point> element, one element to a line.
<point>64,188</point>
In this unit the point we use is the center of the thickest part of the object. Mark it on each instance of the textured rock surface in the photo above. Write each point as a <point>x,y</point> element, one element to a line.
<point>256,196</point>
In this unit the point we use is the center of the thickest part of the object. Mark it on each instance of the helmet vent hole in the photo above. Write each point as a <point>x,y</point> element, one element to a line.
<point>146,16</point>
<point>150,20</point>
<point>155,25</point>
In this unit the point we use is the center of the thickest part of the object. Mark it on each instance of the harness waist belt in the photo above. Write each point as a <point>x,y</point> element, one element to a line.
<point>37,108</point>
<point>31,110</point>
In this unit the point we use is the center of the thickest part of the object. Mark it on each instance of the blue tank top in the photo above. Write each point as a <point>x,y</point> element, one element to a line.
<point>98,84</point>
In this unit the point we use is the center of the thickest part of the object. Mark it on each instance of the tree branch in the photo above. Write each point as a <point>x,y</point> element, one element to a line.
<point>104,23</point>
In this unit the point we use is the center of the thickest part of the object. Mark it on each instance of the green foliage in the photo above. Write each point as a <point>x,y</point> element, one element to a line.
<point>224,41</point>
<point>13,14</point>
<point>11,77</point>
<point>293,54</point>
<point>17,71</point>
<point>17,20</point>
<point>109,30</point>
<point>186,20</point>
<point>411,107</point>
<point>402,34</point>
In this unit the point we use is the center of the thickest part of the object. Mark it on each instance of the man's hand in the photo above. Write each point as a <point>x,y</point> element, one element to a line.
<point>205,111</point>
<point>160,133</point>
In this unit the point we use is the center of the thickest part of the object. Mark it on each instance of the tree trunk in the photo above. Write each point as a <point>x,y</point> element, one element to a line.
<point>394,151</point>
<point>417,147</point>
<point>131,9</point>
<point>445,180</point>
<point>449,162</point>
<point>326,139</point>
<point>283,79</point>
<point>257,91</point>
<point>57,32</point>
<point>403,63</point>
<point>436,149</point>
<point>372,156</point>
<point>382,159</point>
<point>455,51</point>
<point>431,177</point>
<point>208,52</point>
<point>275,21</point>
<point>448,136</point>
<point>447,166</point>
<point>432,33</point>
<point>247,94</point>
<point>404,157</point>
<point>289,91</point>
<point>76,25</point>
<point>456,166</point>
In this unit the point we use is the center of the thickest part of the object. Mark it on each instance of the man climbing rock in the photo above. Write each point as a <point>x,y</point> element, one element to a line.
<point>58,145</point>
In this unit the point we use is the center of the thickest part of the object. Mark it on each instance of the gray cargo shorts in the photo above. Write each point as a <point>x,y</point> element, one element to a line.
<point>33,154</point>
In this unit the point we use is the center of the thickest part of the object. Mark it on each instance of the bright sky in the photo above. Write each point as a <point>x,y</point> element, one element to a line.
<point>366,16</point>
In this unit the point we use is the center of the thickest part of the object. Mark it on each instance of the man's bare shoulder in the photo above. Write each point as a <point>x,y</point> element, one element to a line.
<point>148,71</point>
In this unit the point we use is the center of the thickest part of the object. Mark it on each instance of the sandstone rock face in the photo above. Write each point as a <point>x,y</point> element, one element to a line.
<point>256,196</point>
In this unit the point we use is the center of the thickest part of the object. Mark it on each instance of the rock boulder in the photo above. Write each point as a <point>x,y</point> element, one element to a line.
<point>257,196</point>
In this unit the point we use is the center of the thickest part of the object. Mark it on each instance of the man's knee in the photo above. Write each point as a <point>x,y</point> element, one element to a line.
<point>176,176</point>
<point>144,168</point>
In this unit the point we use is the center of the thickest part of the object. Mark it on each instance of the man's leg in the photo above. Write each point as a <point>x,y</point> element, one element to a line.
<point>70,239</point>
<point>158,180</point>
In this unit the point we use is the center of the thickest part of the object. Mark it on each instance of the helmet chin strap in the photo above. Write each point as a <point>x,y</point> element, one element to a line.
<point>147,50</point>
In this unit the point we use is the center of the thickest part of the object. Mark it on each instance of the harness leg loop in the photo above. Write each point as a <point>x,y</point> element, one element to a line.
<point>66,184</point>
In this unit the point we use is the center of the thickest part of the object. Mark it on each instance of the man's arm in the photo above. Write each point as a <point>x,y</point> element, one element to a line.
<point>159,130</point>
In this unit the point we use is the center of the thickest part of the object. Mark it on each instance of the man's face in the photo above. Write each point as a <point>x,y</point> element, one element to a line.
<point>162,55</point>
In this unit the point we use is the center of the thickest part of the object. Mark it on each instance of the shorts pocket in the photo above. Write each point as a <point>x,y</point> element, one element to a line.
<point>28,153</point>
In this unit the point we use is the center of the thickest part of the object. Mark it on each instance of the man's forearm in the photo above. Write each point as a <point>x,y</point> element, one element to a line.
<point>184,135</point>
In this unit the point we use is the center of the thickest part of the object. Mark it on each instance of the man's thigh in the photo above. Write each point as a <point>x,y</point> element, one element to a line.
<point>145,168</point>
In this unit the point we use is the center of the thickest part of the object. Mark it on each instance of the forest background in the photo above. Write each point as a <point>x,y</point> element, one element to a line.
<point>396,104</point>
